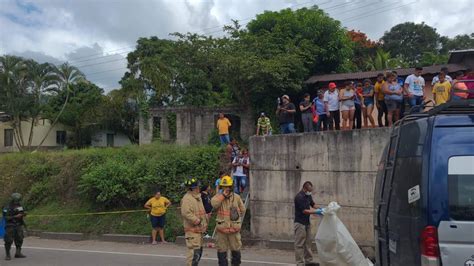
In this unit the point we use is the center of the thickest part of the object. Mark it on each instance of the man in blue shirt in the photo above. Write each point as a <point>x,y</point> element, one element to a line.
<point>321,111</point>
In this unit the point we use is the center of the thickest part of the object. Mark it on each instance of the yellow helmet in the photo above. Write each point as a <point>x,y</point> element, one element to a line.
<point>226,181</point>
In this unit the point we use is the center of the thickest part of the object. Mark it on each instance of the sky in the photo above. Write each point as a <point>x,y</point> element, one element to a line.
<point>96,35</point>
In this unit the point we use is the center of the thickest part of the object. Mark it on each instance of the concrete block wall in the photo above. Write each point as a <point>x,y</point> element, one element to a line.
<point>342,166</point>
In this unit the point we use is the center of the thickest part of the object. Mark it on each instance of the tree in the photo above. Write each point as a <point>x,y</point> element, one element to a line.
<point>14,97</point>
<point>67,76</point>
<point>41,79</point>
<point>459,42</point>
<point>120,113</point>
<point>83,112</point>
<point>383,60</point>
<point>409,41</point>
<point>363,48</point>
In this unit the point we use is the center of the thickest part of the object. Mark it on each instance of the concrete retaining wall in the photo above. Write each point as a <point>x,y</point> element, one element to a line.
<point>342,166</point>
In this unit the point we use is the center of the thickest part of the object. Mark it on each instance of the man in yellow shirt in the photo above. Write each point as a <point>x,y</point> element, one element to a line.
<point>380,100</point>
<point>157,206</point>
<point>223,125</point>
<point>442,89</point>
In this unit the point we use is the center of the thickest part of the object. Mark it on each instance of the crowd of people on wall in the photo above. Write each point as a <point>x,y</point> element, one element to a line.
<point>352,105</point>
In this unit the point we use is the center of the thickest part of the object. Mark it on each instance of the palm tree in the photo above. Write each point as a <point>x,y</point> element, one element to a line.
<point>13,92</point>
<point>67,76</point>
<point>41,78</point>
<point>383,60</point>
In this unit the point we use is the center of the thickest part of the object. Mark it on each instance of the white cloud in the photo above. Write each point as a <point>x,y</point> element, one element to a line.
<point>57,30</point>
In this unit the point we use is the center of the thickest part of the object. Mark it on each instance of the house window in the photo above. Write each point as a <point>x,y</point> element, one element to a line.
<point>110,140</point>
<point>8,138</point>
<point>61,137</point>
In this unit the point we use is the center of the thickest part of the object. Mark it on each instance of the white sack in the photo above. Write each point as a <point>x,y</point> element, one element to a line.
<point>335,245</point>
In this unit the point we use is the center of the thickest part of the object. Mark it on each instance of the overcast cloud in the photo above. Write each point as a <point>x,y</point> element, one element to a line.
<point>96,35</point>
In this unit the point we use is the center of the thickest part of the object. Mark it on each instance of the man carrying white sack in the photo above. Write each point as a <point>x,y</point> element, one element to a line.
<point>304,207</point>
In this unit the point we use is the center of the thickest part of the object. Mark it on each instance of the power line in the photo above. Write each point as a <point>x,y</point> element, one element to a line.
<point>354,18</point>
<point>77,59</point>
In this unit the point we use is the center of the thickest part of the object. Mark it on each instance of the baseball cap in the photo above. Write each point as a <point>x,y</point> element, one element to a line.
<point>285,96</point>
<point>332,85</point>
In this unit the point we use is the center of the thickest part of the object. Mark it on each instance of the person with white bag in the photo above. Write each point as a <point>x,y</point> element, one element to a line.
<point>304,207</point>
<point>335,245</point>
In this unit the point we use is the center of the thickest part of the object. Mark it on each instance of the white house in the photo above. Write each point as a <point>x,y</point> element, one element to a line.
<point>109,138</point>
<point>55,140</point>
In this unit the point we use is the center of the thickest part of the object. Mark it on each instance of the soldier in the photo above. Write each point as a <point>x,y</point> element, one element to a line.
<point>194,221</point>
<point>13,214</point>
<point>229,208</point>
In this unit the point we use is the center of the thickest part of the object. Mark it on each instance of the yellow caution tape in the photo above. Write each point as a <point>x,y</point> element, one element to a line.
<point>88,213</point>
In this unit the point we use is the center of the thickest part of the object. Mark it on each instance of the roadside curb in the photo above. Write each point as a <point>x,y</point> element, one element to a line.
<point>124,238</point>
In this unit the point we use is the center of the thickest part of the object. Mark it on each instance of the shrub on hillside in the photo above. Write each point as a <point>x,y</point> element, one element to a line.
<point>125,179</point>
<point>113,178</point>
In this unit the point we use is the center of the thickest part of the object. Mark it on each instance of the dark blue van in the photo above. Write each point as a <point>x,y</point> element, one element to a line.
<point>424,192</point>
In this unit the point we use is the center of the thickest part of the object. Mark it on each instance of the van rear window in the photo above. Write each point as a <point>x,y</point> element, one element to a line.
<point>461,187</point>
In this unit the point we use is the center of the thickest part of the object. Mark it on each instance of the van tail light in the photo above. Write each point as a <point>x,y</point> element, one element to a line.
<point>429,242</point>
<point>429,246</point>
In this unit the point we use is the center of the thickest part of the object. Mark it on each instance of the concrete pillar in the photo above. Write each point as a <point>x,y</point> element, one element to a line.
<point>164,129</point>
<point>198,134</point>
<point>145,135</point>
<point>183,128</point>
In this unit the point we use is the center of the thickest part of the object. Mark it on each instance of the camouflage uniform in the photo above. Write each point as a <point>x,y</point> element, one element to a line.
<point>14,226</point>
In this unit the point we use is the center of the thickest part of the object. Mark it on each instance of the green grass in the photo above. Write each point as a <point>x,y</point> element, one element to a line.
<point>127,223</point>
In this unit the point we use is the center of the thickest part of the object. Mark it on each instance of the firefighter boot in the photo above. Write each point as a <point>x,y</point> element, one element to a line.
<point>197,256</point>
<point>222,259</point>
<point>18,254</point>
<point>236,258</point>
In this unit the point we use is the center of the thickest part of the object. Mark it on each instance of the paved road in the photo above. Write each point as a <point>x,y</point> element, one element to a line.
<point>57,252</point>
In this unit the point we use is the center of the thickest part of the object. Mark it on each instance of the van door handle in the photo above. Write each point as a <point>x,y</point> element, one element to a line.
<point>453,226</point>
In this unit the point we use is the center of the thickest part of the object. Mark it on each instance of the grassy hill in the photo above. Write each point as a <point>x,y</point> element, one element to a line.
<point>96,180</point>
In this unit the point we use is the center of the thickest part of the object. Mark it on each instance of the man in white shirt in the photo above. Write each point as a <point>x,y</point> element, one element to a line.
<point>241,166</point>
<point>331,103</point>
<point>415,87</point>
<point>436,78</point>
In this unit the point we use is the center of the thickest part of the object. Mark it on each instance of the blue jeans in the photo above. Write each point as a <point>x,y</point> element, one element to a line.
<point>415,100</point>
<point>323,121</point>
<point>225,139</point>
<point>287,128</point>
<point>239,182</point>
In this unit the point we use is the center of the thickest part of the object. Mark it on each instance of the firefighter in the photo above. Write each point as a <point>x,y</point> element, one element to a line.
<point>194,221</point>
<point>230,208</point>
<point>13,214</point>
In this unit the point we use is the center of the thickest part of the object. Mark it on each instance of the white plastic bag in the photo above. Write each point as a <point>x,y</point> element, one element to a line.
<point>335,245</point>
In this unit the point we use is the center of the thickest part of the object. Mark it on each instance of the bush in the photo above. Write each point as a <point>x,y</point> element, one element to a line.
<point>124,177</point>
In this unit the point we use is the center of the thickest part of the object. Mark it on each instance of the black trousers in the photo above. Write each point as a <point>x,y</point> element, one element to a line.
<point>357,117</point>
<point>334,120</point>
<point>382,110</point>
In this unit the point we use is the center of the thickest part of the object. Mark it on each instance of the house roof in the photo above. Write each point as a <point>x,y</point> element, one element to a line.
<point>373,74</point>
<point>456,57</point>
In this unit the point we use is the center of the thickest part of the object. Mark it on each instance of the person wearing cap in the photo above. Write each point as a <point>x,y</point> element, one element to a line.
<point>331,102</point>
<point>415,87</point>
<point>230,208</point>
<point>157,206</point>
<point>286,115</point>
<point>264,126</point>
<point>321,111</point>
<point>306,113</point>
<point>194,221</point>
<point>13,214</point>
